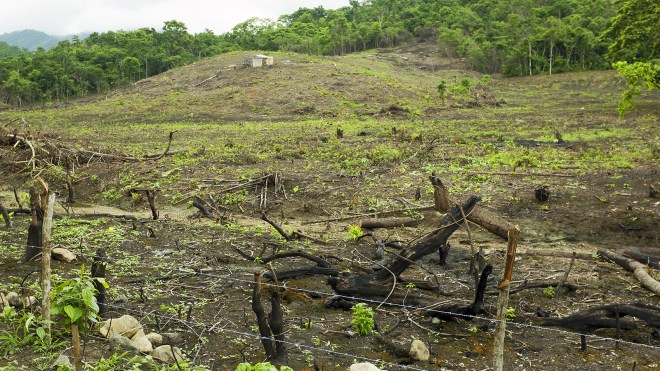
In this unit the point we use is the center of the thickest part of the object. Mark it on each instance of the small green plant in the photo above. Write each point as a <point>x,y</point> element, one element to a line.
<point>117,362</point>
<point>74,298</point>
<point>510,314</point>
<point>354,232</point>
<point>363,319</point>
<point>262,366</point>
<point>549,292</point>
<point>21,330</point>
<point>442,91</point>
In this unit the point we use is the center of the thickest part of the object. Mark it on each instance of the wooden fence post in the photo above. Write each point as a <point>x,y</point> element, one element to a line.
<point>503,299</point>
<point>45,261</point>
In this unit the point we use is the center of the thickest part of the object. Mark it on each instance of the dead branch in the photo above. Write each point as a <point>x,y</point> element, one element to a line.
<point>322,266</point>
<point>279,229</point>
<point>638,269</point>
<point>167,149</point>
<point>374,215</point>
<point>205,80</point>
<point>151,197</point>
<point>557,254</point>
<point>377,284</point>
<point>156,156</point>
<point>448,313</point>
<point>203,209</point>
<point>652,261</point>
<point>568,271</point>
<point>479,215</point>
<point>541,284</point>
<point>29,144</point>
<point>394,222</point>
<point>296,235</point>
<point>604,316</point>
<point>271,331</point>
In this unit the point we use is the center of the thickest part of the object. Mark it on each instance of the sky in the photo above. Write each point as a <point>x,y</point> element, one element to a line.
<point>65,17</point>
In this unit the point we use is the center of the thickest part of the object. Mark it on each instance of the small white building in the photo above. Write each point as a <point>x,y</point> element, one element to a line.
<point>259,60</point>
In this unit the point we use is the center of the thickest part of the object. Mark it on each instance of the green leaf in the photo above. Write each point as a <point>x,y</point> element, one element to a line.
<point>264,367</point>
<point>41,333</point>
<point>73,313</point>
<point>103,282</point>
<point>88,296</point>
<point>243,367</point>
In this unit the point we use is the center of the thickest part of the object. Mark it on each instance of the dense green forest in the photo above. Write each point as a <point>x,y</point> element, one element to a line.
<point>512,37</point>
<point>7,50</point>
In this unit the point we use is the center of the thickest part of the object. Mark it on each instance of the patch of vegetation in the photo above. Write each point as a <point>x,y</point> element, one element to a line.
<point>363,319</point>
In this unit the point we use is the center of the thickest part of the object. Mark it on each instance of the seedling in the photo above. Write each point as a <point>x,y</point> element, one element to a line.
<point>549,292</point>
<point>354,232</point>
<point>363,319</point>
<point>510,314</point>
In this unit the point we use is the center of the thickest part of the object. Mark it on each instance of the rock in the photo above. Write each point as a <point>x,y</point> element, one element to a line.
<point>62,363</point>
<point>155,339</point>
<point>419,351</point>
<point>125,325</point>
<point>172,338</point>
<point>14,300</point>
<point>364,366</point>
<point>62,254</point>
<point>141,343</point>
<point>31,302</point>
<point>164,353</point>
<point>3,300</point>
<point>120,344</point>
<point>121,299</point>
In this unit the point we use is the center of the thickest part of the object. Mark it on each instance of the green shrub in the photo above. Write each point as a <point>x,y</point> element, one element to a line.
<point>363,319</point>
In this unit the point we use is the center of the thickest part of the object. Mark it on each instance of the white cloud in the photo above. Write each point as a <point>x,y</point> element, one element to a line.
<point>63,17</point>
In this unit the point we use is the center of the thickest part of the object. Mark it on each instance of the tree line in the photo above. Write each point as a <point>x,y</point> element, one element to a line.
<point>512,37</point>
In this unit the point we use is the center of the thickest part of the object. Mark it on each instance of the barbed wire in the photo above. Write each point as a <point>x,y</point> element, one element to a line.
<point>259,337</point>
<point>200,272</point>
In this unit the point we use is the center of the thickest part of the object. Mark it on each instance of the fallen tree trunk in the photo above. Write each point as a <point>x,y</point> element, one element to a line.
<point>638,269</point>
<point>381,284</point>
<point>604,316</point>
<point>479,215</point>
<point>557,254</point>
<point>652,261</point>
<point>394,222</point>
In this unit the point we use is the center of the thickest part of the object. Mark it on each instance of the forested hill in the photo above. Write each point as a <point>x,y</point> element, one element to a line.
<point>32,39</point>
<point>513,37</point>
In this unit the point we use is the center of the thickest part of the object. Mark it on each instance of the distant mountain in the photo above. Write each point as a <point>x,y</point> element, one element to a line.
<point>32,39</point>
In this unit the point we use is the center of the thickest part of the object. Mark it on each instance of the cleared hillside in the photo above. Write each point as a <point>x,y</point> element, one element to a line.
<point>252,141</point>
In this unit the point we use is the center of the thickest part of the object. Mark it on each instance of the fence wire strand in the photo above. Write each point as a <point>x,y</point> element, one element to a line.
<point>219,279</point>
